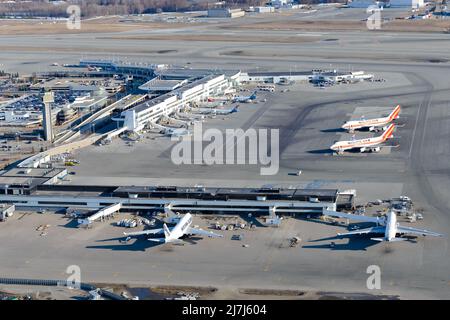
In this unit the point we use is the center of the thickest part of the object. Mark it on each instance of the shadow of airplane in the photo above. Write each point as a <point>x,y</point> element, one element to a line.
<point>138,245</point>
<point>321,151</point>
<point>355,243</point>
<point>72,224</point>
<point>253,220</point>
<point>333,130</point>
<point>141,244</point>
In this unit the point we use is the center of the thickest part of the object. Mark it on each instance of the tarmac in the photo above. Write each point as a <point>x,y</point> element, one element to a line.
<point>415,67</point>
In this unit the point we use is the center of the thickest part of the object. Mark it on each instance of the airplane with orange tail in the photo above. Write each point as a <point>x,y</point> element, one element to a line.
<point>372,124</point>
<point>364,145</point>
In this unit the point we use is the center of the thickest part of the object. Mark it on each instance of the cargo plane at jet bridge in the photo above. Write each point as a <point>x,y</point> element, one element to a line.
<point>174,234</point>
<point>245,99</point>
<point>387,226</point>
<point>372,124</point>
<point>364,145</point>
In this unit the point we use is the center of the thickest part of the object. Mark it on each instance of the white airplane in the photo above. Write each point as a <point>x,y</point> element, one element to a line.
<point>372,124</point>
<point>245,98</point>
<point>216,111</point>
<point>91,68</point>
<point>175,132</point>
<point>367,144</point>
<point>388,226</point>
<point>182,228</point>
<point>222,98</point>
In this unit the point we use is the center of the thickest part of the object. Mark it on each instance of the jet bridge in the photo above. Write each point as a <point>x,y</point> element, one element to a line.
<point>179,121</point>
<point>159,127</point>
<point>101,214</point>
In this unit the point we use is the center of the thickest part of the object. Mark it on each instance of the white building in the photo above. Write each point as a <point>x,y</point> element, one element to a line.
<point>16,116</point>
<point>281,3</point>
<point>264,9</point>
<point>280,77</point>
<point>387,3</point>
<point>225,13</point>
<point>137,118</point>
<point>275,77</point>
<point>337,76</point>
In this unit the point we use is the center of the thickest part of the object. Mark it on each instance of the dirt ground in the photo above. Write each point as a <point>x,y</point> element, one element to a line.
<point>211,293</point>
<point>113,24</point>
<point>27,27</point>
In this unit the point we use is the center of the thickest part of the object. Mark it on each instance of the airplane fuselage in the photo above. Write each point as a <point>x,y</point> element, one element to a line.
<point>361,143</point>
<point>180,229</point>
<point>391,227</point>
<point>245,99</point>
<point>358,124</point>
<point>378,122</point>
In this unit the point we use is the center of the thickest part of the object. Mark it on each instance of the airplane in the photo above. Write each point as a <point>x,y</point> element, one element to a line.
<point>367,144</point>
<point>175,132</point>
<point>91,68</point>
<point>214,99</point>
<point>244,98</point>
<point>372,124</point>
<point>171,132</point>
<point>388,226</point>
<point>217,111</point>
<point>181,229</point>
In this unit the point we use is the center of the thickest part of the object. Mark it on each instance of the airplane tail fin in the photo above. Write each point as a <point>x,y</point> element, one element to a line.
<point>388,133</point>
<point>169,213</point>
<point>395,113</point>
<point>166,231</point>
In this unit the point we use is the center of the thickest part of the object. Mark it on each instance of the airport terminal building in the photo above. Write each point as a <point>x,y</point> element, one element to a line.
<point>136,118</point>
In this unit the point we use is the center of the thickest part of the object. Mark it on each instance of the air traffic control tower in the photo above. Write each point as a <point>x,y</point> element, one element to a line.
<point>48,132</point>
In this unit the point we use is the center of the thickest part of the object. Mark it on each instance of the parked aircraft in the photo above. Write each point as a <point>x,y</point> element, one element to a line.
<point>170,131</point>
<point>181,229</point>
<point>176,132</point>
<point>217,111</point>
<point>364,145</point>
<point>91,68</point>
<point>387,226</point>
<point>214,99</point>
<point>372,124</point>
<point>245,98</point>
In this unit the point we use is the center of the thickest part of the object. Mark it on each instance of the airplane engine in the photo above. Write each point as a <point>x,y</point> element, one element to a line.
<point>363,149</point>
<point>376,149</point>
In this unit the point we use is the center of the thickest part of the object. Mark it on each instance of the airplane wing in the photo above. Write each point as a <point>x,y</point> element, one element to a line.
<point>353,216</point>
<point>422,232</point>
<point>158,240</point>
<point>144,232</point>
<point>364,231</point>
<point>200,232</point>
